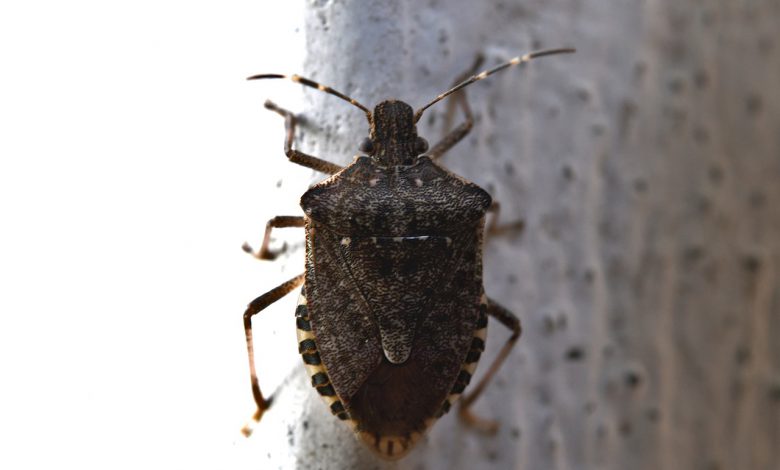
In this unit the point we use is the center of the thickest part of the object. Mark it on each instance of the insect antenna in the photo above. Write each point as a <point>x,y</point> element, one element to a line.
<point>313,84</point>
<point>475,78</point>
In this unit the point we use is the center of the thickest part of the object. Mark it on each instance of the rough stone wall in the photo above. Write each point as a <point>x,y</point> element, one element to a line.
<point>647,169</point>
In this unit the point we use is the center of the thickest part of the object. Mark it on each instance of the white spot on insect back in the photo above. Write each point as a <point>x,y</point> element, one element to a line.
<point>346,241</point>
<point>373,181</point>
<point>396,352</point>
<point>418,182</point>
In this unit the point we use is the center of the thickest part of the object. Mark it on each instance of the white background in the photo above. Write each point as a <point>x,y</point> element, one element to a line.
<point>134,161</point>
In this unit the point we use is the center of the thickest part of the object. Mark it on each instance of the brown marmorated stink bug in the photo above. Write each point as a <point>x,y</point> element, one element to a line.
<point>392,316</point>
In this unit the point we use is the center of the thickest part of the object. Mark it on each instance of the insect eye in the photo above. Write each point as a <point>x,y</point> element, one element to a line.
<point>422,145</point>
<point>367,146</point>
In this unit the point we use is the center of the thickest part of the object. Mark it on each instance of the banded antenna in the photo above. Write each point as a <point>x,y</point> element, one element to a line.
<point>313,84</point>
<point>475,78</point>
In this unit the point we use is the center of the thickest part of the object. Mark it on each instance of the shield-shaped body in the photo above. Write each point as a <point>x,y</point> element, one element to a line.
<point>392,316</point>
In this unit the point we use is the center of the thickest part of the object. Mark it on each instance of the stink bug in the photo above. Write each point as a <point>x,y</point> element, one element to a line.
<point>392,316</point>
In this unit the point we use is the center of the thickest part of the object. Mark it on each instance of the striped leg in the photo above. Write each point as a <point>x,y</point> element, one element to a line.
<point>256,306</point>
<point>280,221</point>
<point>304,159</point>
<point>509,320</point>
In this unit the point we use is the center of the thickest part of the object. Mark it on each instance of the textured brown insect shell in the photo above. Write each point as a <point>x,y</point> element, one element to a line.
<point>393,295</point>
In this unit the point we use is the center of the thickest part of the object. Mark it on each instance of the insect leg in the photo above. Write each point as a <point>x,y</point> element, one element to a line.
<point>256,306</point>
<point>280,221</point>
<point>494,229</point>
<point>455,136</point>
<point>290,121</point>
<point>509,320</point>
